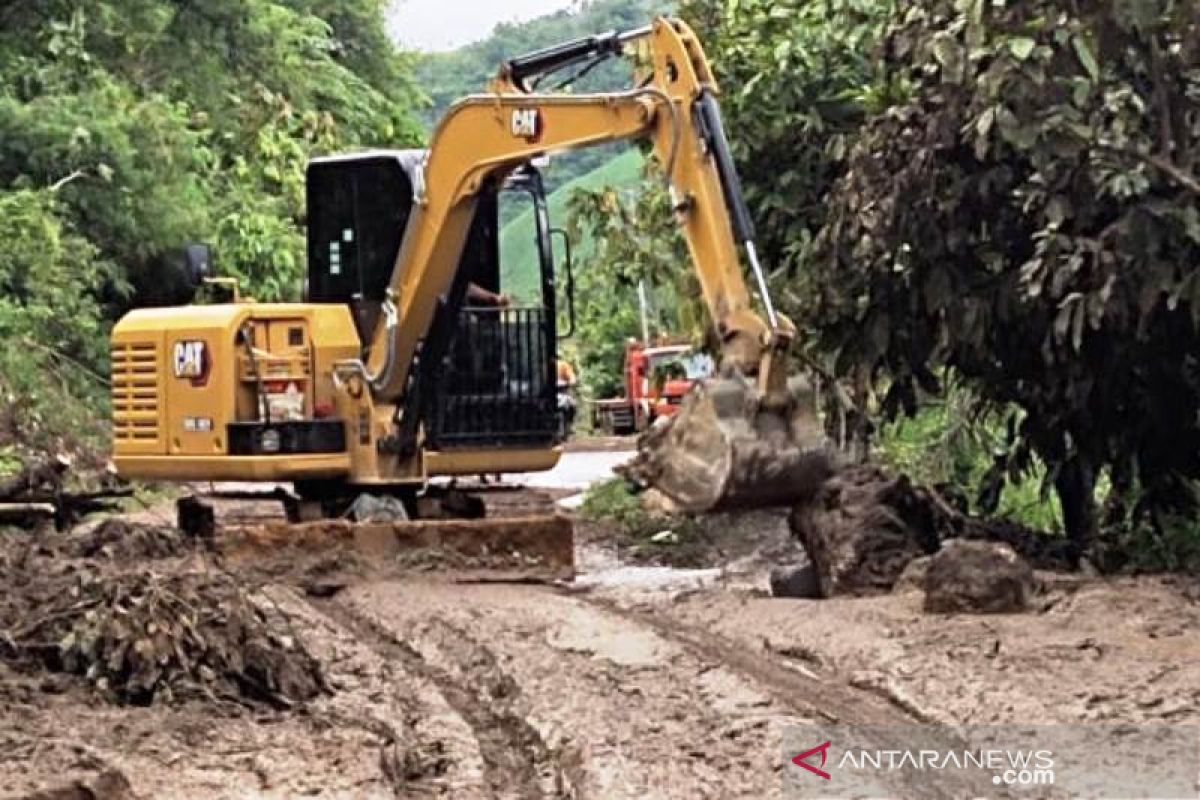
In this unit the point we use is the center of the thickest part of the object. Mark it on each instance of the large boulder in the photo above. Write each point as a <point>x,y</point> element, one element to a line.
<point>978,577</point>
<point>862,529</point>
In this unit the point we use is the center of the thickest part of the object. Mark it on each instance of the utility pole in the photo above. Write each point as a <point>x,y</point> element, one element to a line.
<point>643,304</point>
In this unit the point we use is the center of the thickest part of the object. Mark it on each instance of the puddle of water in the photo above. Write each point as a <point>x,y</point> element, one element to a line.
<point>629,648</point>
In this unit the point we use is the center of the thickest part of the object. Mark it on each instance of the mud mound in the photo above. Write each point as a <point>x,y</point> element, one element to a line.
<point>977,577</point>
<point>141,637</point>
<point>107,785</point>
<point>863,529</point>
<point>865,526</point>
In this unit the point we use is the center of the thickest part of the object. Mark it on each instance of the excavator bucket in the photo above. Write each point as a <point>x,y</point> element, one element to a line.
<point>726,449</point>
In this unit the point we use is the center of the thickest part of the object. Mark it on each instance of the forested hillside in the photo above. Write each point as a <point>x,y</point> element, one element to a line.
<point>445,77</point>
<point>129,127</point>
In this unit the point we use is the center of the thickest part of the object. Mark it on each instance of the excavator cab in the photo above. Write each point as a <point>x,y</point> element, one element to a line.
<point>486,371</point>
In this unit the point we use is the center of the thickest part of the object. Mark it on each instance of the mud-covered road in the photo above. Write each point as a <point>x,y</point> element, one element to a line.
<point>632,682</point>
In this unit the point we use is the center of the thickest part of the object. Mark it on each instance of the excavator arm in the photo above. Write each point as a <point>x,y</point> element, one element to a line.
<point>735,440</point>
<point>486,136</point>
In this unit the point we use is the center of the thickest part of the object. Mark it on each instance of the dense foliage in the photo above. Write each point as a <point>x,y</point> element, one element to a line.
<point>997,195</point>
<point>1029,218</point>
<point>798,78</point>
<point>633,240</point>
<point>129,127</point>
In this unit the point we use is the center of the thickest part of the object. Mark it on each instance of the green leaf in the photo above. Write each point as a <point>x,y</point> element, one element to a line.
<point>949,54</point>
<point>1021,47</point>
<point>1084,54</point>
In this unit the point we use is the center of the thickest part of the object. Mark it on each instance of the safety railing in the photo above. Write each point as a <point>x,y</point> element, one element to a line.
<point>496,386</point>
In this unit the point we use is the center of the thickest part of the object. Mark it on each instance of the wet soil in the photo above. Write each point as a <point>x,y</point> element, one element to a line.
<point>639,679</point>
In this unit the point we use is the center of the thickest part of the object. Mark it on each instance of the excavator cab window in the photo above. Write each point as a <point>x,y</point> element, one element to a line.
<point>497,386</point>
<point>358,206</point>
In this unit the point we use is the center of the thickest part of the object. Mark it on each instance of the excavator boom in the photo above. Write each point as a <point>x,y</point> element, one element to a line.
<point>484,137</point>
<point>487,135</point>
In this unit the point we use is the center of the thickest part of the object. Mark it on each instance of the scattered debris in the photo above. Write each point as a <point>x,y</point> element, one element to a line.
<point>912,579</point>
<point>120,540</point>
<point>140,636</point>
<point>983,577</point>
<point>109,784</point>
<point>865,527</point>
<point>27,515</point>
<point>37,494</point>
<point>45,478</point>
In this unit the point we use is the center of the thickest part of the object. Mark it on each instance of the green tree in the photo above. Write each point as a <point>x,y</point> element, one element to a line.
<point>798,78</point>
<point>130,127</point>
<point>1029,219</point>
<point>188,121</point>
<point>447,77</point>
<point>634,239</point>
<point>50,325</point>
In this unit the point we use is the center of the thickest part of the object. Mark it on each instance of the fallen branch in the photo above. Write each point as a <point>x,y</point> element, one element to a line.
<point>25,497</point>
<point>21,512</point>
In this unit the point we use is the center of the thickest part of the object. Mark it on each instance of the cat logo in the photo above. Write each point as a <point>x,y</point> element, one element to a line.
<point>527,124</point>
<point>192,362</point>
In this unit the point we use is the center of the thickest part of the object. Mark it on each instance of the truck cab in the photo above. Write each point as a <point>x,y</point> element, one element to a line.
<point>656,379</point>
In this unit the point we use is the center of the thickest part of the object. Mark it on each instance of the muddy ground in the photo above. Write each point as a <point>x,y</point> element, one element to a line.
<point>637,680</point>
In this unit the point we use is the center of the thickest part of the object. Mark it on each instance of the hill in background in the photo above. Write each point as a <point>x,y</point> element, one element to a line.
<point>445,77</point>
<point>518,249</point>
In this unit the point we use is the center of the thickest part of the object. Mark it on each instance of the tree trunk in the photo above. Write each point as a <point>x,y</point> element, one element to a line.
<point>1076,487</point>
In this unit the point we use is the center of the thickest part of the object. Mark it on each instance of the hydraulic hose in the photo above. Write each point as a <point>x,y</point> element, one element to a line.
<point>379,379</point>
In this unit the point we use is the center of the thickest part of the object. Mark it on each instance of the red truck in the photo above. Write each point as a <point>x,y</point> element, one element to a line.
<point>656,380</point>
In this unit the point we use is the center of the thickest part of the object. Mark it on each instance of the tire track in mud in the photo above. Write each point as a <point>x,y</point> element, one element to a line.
<point>804,692</point>
<point>571,695</point>
<point>517,763</point>
<point>490,684</point>
<point>625,713</point>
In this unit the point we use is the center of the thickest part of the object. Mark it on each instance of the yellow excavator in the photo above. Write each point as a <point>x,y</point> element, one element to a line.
<point>390,373</point>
